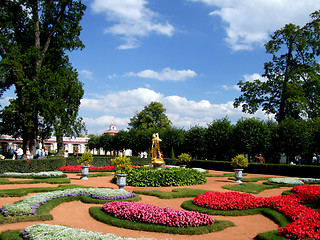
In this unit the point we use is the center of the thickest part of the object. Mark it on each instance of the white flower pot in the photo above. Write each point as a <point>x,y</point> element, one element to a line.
<point>121,180</point>
<point>84,172</point>
<point>238,175</point>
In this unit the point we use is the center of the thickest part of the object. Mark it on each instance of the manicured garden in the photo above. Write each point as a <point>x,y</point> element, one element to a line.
<point>140,208</point>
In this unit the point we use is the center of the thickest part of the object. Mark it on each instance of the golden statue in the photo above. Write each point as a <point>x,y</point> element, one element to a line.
<point>156,158</point>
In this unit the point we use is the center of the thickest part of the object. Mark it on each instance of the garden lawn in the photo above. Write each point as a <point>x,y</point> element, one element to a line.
<point>76,214</point>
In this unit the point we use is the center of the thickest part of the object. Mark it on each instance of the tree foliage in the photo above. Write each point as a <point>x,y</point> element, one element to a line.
<point>292,88</point>
<point>34,38</point>
<point>151,117</point>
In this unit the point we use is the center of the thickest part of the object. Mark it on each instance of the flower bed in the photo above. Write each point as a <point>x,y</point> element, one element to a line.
<point>140,212</point>
<point>53,232</point>
<point>78,168</point>
<point>305,221</point>
<point>29,205</point>
<point>293,181</point>
<point>33,174</point>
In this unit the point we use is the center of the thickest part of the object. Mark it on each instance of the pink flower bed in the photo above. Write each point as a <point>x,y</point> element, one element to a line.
<point>140,212</point>
<point>305,221</point>
<point>78,168</point>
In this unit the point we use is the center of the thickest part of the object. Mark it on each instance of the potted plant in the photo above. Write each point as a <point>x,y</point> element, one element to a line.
<point>84,161</point>
<point>183,159</point>
<point>122,166</point>
<point>239,162</point>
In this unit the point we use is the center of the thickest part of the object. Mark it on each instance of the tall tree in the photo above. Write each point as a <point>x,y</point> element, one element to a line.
<point>292,88</point>
<point>152,116</point>
<point>34,36</point>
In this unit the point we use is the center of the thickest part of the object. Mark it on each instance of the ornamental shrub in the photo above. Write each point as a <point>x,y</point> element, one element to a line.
<point>149,177</point>
<point>122,165</point>
<point>86,158</point>
<point>239,161</point>
<point>183,158</point>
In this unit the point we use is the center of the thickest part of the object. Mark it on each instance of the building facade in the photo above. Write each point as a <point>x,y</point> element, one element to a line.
<point>71,144</point>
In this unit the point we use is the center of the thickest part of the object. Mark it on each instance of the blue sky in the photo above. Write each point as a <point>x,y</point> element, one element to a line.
<point>187,54</point>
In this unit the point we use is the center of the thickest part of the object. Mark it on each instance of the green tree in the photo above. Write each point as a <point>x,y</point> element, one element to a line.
<point>34,36</point>
<point>295,137</point>
<point>219,140</point>
<point>195,142</point>
<point>250,136</point>
<point>292,88</point>
<point>151,117</point>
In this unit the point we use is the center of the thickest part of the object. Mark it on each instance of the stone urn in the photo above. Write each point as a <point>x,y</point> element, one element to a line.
<point>121,180</point>
<point>84,172</point>
<point>238,175</point>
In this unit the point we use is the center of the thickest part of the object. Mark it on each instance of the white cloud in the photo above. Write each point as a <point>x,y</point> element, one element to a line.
<point>166,74</point>
<point>111,76</point>
<point>250,22</point>
<point>119,107</point>
<point>86,74</point>
<point>255,76</point>
<point>132,20</point>
<point>233,87</point>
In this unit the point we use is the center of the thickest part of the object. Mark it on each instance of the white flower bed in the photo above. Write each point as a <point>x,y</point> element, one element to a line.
<point>293,181</point>
<point>53,232</point>
<point>38,174</point>
<point>200,170</point>
<point>29,205</point>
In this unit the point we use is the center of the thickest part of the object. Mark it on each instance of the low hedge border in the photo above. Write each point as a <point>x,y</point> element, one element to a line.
<point>175,193</point>
<point>5,181</point>
<point>43,212</point>
<point>98,214</point>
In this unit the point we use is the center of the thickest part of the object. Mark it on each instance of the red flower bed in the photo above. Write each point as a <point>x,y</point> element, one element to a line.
<point>305,221</point>
<point>140,212</point>
<point>78,168</point>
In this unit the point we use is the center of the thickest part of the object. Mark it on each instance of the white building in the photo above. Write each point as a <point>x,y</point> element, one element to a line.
<point>71,144</point>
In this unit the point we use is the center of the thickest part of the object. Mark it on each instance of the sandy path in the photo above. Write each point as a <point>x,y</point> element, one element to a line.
<point>75,214</point>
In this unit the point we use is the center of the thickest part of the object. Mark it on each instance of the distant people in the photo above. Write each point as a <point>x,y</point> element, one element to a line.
<point>66,154</point>
<point>13,154</point>
<point>298,159</point>
<point>76,153</point>
<point>38,153</point>
<point>19,153</point>
<point>28,153</point>
<point>318,158</point>
<point>43,153</point>
<point>314,159</point>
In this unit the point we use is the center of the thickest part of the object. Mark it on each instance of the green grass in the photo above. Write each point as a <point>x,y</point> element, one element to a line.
<point>32,177</point>
<point>100,215</point>
<point>272,235</point>
<point>223,175</point>
<point>249,187</point>
<point>252,179</point>
<point>90,175</point>
<point>46,180</point>
<point>25,191</point>
<point>175,193</point>
<point>10,235</point>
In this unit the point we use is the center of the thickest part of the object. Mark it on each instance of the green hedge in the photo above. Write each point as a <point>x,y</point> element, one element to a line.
<point>148,177</point>
<point>34,165</point>
<point>272,169</point>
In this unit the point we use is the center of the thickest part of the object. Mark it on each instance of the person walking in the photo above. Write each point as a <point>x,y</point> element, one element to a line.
<point>19,153</point>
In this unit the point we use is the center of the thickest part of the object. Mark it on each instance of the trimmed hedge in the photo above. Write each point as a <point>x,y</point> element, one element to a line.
<point>34,165</point>
<point>266,168</point>
<point>54,163</point>
<point>149,177</point>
